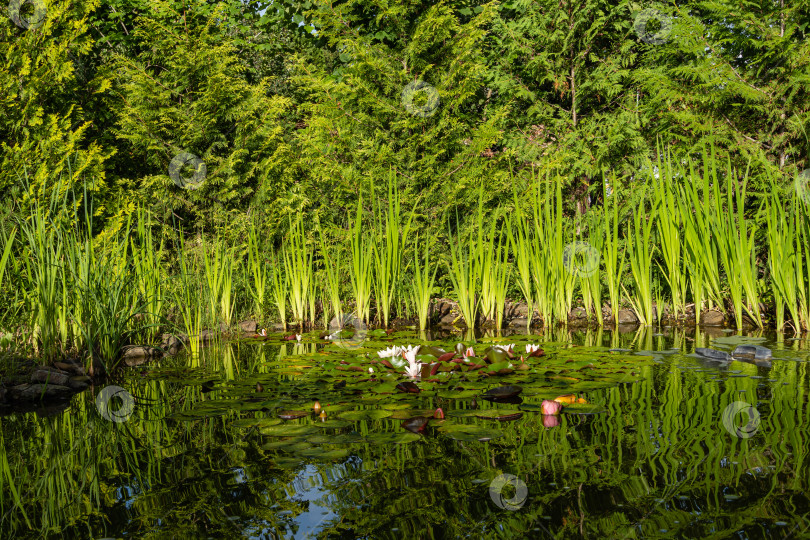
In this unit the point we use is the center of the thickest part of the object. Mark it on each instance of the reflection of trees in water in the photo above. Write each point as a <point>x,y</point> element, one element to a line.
<point>659,459</point>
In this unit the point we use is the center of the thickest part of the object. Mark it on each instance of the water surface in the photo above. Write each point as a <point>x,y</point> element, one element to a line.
<point>204,454</point>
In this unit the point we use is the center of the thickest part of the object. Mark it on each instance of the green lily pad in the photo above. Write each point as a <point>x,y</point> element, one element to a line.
<point>370,414</point>
<point>289,445</point>
<point>332,424</point>
<point>464,432</point>
<point>392,438</point>
<point>288,430</point>
<point>324,453</point>
<point>494,414</point>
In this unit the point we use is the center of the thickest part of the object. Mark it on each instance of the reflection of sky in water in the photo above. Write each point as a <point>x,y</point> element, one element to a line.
<point>307,488</point>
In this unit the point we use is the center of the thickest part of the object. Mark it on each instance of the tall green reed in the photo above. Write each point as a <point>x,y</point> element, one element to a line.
<point>188,294</point>
<point>614,264</point>
<point>735,232</point>
<point>640,256</point>
<point>391,233</point>
<point>424,279</point>
<point>298,266</point>
<point>783,259</point>
<point>495,273</point>
<point>44,275</point>
<point>332,268</point>
<point>668,226</point>
<point>257,269</point>
<point>279,287</point>
<point>147,266</point>
<point>518,232</point>
<point>220,265</point>
<point>362,258</point>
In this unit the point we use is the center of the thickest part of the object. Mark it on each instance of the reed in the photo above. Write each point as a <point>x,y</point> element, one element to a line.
<point>783,259</point>
<point>701,252</point>
<point>362,258</point>
<point>518,232</point>
<point>332,268</point>
<point>388,251</point>
<point>495,272</point>
<point>7,246</point>
<point>555,234</point>
<point>464,268</point>
<point>735,239</point>
<point>614,264</point>
<point>668,225</point>
<point>44,274</point>
<point>257,269</point>
<point>279,287</point>
<point>188,296</point>
<point>220,265</point>
<point>424,279</point>
<point>298,266</point>
<point>640,256</point>
<point>147,266</point>
<point>590,279</point>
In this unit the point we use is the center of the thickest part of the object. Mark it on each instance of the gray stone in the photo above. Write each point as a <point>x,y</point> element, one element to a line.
<point>132,352</point>
<point>171,344</point>
<point>35,392</point>
<point>519,322</point>
<point>713,354</point>
<point>79,382</point>
<point>627,316</point>
<point>50,376</point>
<point>248,327</point>
<point>712,317</point>
<point>578,314</point>
<point>752,352</point>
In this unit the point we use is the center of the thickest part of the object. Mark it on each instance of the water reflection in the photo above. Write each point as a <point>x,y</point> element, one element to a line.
<point>658,462</point>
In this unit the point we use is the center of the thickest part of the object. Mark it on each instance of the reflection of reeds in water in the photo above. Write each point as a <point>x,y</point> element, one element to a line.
<point>659,439</point>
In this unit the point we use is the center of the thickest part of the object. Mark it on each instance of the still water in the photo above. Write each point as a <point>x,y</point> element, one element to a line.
<point>659,443</point>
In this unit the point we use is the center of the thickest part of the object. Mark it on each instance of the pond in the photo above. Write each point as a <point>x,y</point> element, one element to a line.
<point>657,442</point>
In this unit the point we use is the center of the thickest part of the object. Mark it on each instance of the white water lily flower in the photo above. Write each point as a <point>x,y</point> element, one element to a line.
<point>409,354</point>
<point>510,348</point>
<point>298,338</point>
<point>390,352</point>
<point>371,370</point>
<point>409,349</point>
<point>469,352</point>
<point>531,348</point>
<point>414,370</point>
<point>398,362</point>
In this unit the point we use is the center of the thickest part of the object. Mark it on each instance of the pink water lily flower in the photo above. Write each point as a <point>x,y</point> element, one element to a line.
<point>469,352</point>
<point>551,407</point>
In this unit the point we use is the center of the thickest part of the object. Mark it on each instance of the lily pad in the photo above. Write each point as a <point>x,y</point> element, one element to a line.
<point>370,414</point>
<point>288,430</point>
<point>332,424</point>
<point>392,438</point>
<point>464,432</point>
<point>502,392</point>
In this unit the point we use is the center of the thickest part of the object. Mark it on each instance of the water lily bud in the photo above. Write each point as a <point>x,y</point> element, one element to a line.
<point>439,414</point>
<point>259,387</point>
<point>551,407</point>
<point>317,407</point>
<point>322,416</point>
